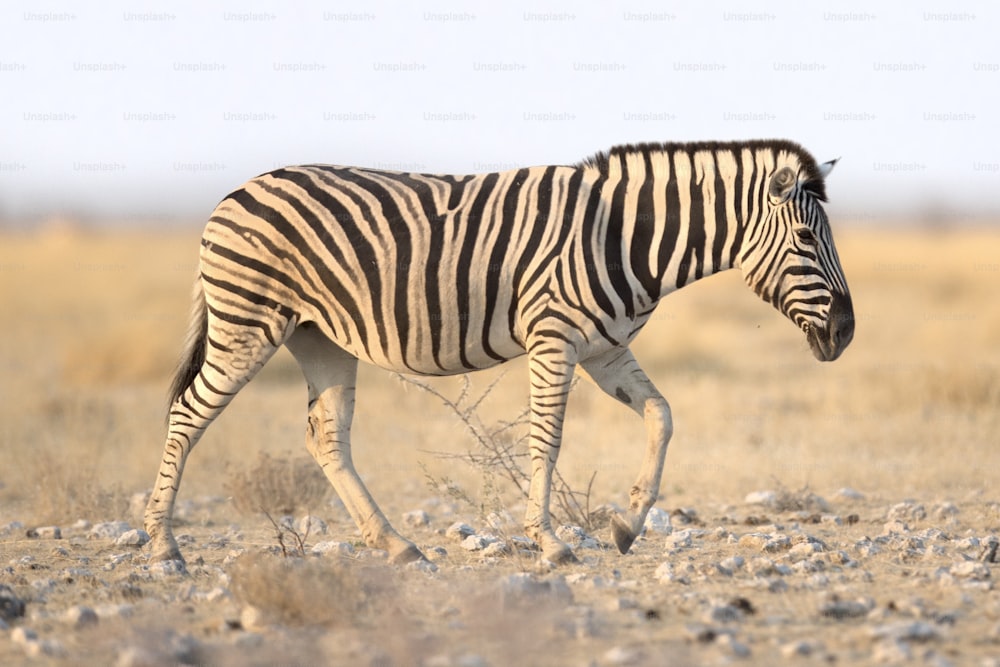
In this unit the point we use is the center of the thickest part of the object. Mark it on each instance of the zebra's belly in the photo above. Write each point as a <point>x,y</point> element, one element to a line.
<point>430,352</point>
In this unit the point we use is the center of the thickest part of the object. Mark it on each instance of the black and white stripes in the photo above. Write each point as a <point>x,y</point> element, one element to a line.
<point>439,275</point>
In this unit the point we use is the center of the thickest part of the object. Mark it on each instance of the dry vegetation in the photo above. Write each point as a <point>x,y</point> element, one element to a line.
<point>94,324</point>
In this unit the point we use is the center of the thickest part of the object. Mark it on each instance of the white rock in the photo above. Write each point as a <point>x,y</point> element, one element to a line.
<point>576,537</point>
<point>416,518</point>
<point>166,568</point>
<point>945,510</point>
<point>253,617</point>
<point>333,548</point>
<point>847,493</point>
<point>658,521</point>
<point>622,655</point>
<point>477,542</point>
<point>970,570</point>
<point>81,525</point>
<point>108,530</point>
<point>310,525</point>
<point>907,510</point>
<point>135,537</point>
<point>459,531</point>
<point>666,573</point>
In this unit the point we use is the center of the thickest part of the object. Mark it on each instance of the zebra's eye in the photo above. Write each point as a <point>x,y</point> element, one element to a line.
<point>805,235</point>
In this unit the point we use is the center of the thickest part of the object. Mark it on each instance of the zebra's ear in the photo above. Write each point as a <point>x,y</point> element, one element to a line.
<point>782,184</point>
<point>827,167</point>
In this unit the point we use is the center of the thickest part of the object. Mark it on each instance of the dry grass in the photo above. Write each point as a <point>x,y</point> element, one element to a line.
<point>279,485</point>
<point>310,591</point>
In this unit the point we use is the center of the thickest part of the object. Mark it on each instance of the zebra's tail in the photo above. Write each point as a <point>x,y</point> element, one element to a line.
<point>194,346</point>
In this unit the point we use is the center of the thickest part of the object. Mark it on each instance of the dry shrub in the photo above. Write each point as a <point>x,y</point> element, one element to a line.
<point>279,486</point>
<point>797,500</point>
<point>66,489</point>
<point>304,591</point>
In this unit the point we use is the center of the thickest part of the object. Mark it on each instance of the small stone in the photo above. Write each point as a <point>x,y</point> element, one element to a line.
<point>333,548</point>
<point>45,533</point>
<point>421,565</point>
<point>658,521</point>
<point>108,530</point>
<point>166,568</point>
<point>476,542</point>
<point>913,631</point>
<point>576,537</point>
<point>970,570</point>
<point>796,649</point>
<point>907,510</point>
<point>80,616</point>
<point>135,537</point>
<point>22,635</point>
<point>138,656</point>
<point>766,542</point>
<point>840,609</point>
<point>895,527</point>
<point>416,518</point>
<point>731,645</point>
<point>311,525</point>
<point>81,525</point>
<point>891,651</point>
<point>253,617</point>
<point>847,493</point>
<point>49,647</point>
<point>622,655</point>
<point>944,510</point>
<point>459,531</point>
<point>11,606</point>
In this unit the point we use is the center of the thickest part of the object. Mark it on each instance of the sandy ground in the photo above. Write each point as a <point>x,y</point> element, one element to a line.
<point>876,543</point>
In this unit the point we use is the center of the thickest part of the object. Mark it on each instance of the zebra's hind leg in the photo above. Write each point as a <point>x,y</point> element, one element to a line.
<point>618,374</point>
<point>331,375</point>
<point>228,356</point>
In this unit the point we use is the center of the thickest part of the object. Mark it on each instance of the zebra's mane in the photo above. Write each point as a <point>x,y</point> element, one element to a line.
<point>813,179</point>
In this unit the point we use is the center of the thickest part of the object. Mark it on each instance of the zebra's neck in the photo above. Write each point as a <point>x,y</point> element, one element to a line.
<point>681,210</point>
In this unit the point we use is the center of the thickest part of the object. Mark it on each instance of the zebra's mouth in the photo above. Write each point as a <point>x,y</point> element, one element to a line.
<point>828,342</point>
<point>819,342</point>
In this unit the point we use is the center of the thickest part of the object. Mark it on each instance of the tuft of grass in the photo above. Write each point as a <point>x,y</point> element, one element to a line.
<point>66,490</point>
<point>310,592</point>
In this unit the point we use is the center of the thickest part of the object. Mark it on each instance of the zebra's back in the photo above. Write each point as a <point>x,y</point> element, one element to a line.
<point>410,272</point>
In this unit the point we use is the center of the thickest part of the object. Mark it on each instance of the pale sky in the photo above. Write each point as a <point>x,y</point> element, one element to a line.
<point>113,112</point>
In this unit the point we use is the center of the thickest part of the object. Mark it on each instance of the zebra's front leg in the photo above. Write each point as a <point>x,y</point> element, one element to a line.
<point>618,374</point>
<point>551,372</point>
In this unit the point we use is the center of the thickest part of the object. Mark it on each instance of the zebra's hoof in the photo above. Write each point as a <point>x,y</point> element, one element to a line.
<point>408,555</point>
<point>622,534</point>
<point>561,555</point>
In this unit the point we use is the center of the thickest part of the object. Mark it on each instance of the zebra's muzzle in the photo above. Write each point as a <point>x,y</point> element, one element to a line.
<point>829,342</point>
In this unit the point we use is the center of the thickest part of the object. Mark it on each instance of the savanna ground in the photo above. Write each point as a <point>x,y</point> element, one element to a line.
<point>899,570</point>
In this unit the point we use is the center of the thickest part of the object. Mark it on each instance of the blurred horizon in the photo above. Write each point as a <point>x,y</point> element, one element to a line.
<point>118,116</point>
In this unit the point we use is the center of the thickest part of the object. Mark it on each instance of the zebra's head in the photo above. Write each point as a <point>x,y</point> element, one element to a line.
<point>789,259</point>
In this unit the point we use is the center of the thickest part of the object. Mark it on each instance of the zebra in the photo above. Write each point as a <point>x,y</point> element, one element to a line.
<point>445,274</point>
